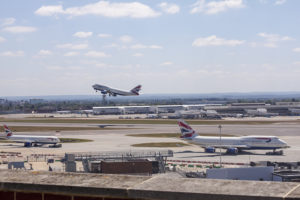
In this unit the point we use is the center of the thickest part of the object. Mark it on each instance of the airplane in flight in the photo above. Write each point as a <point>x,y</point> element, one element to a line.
<point>114,92</point>
<point>233,145</point>
<point>30,140</point>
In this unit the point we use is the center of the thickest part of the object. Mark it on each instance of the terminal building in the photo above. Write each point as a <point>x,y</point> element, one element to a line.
<point>205,110</point>
<point>139,109</point>
<point>114,110</point>
<point>105,110</point>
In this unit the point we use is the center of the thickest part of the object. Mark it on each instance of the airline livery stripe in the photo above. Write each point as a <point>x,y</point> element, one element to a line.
<point>184,125</point>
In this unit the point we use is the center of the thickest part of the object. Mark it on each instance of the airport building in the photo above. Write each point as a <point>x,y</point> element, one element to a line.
<point>169,108</point>
<point>145,109</point>
<point>114,110</point>
<point>205,110</point>
<point>242,173</point>
<point>139,109</point>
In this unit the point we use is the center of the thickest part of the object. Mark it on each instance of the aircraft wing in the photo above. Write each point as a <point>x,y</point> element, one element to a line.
<point>109,91</point>
<point>23,141</point>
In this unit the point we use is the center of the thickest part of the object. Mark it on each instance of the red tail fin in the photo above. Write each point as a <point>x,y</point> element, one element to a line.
<point>7,131</point>
<point>136,89</point>
<point>186,130</point>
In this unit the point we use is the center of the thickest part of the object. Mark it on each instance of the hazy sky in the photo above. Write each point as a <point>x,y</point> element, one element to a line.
<point>53,47</point>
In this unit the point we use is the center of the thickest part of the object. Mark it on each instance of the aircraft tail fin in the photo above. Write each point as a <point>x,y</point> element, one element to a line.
<point>136,89</point>
<point>8,132</point>
<point>186,131</point>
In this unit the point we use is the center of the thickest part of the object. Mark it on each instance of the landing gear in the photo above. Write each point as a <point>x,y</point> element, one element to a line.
<point>104,93</point>
<point>55,146</point>
<point>274,152</point>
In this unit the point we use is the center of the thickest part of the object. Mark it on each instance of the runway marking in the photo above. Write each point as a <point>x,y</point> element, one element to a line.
<point>292,190</point>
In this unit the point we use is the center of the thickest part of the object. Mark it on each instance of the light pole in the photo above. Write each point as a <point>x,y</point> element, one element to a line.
<point>220,127</point>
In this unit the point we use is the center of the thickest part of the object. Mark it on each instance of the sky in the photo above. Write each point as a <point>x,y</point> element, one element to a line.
<point>58,47</point>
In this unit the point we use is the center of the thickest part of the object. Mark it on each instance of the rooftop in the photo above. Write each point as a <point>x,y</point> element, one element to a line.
<point>142,187</point>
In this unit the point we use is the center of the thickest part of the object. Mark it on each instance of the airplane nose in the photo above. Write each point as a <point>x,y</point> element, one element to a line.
<point>284,144</point>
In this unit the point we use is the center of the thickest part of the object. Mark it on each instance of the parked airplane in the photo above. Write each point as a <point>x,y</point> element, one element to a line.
<point>114,92</point>
<point>232,144</point>
<point>30,140</point>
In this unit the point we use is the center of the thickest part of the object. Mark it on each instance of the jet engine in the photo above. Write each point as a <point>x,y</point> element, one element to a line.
<point>210,150</point>
<point>232,151</point>
<point>27,144</point>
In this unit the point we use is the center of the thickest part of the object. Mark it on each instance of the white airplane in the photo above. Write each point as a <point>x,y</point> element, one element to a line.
<point>30,140</point>
<point>114,92</point>
<point>233,145</point>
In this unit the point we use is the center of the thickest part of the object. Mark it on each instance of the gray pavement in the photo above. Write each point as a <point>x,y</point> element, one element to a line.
<point>116,140</point>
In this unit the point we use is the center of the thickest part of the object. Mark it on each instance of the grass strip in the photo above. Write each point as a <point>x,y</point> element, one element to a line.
<point>143,121</point>
<point>161,144</point>
<point>54,128</point>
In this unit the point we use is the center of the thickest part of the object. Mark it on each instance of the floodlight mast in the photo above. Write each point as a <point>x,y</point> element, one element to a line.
<point>220,143</point>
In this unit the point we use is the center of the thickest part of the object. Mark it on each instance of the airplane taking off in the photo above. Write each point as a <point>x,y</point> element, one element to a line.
<point>233,145</point>
<point>114,92</point>
<point>29,140</point>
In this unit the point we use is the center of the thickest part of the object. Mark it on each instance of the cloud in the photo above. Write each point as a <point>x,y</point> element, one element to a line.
<point>214,7</point>
<point>2,39</point>
<point>113,45</point>
<point>253,44</point>
<point>101,8</point>
<point>139,46</point>
<point>296,63</point>
<point>96,54</point>
<point>103,35</point>
<point>71,53</point>
<point>138,55</point>
<point>280,2</point>
<point>169,8</point>
<point>12,54</point>
<point>8,21</point>
<point>44,53</point>
<point>50,10</point>
<point>167,63</point>
<point>20,29</point>
<point>72,46</point>
<point>296,49</point>
<point>155,47</point>
<point>126,39</point>
<point>215,41</point>
<point>83,34</point>
<point>54,67</point>
<point>273,39</point>
<point>142,46</point>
